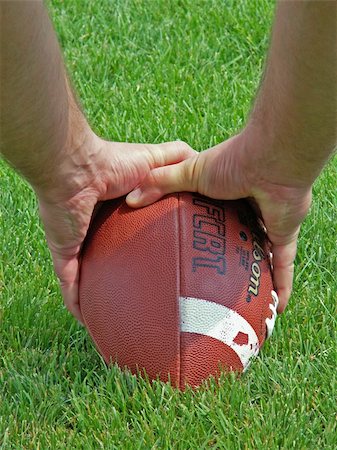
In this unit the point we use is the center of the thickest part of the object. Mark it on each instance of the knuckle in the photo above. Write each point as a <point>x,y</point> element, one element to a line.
<point>152,179</point>
<point>182,146</point>
<point>190,173</point>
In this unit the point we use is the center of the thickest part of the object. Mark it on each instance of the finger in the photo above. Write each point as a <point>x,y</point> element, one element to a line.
<point>67,271</point>
<point>170,153</point>
<point>70,296</point>
<point>165,180</point>
<point>283,271</point>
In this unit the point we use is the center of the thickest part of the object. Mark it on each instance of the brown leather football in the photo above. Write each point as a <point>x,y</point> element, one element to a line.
<point>182,288</point>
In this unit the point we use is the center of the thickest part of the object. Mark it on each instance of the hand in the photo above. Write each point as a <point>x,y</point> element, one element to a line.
<point>232,170</point>
<point>96,172</point>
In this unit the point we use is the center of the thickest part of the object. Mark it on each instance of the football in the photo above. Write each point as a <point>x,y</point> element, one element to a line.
<point>181,289</point>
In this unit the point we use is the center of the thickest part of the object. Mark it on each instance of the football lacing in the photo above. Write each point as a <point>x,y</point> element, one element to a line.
<point>270,322</point>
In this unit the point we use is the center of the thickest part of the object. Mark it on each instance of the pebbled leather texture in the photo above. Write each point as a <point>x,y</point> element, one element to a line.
<point>145,272</point>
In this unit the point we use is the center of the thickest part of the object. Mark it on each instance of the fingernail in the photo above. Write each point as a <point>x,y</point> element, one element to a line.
<point>134,195</point>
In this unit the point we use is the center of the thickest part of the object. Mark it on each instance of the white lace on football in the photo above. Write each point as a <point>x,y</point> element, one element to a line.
<point>270,322</point>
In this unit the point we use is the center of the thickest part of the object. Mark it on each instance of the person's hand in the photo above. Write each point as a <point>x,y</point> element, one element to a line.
<point>237,169</point>
<point>93,173</point>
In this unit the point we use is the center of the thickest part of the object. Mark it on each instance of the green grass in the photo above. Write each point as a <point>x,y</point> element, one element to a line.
<point>155,71</point>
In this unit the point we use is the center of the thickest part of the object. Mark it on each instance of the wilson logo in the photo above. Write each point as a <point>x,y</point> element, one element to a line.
<point>254,281</point>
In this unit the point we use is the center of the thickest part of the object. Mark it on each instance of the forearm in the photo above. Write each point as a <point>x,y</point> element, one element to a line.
<point>40,122</point>
<point>295,114</point>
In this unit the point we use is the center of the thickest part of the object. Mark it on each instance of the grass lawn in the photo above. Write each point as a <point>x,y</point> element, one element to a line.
<point>152,71</point>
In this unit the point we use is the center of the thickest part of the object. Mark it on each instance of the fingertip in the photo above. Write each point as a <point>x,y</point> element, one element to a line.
<point>133,199</point>
<point>140,199</point>
<point>79,317</point>
<point>283,273</point>
<point>281,307</point>
<point>71,300</point>
<point>147,193</point>
<point>76,312</point>
<point>283,296</point>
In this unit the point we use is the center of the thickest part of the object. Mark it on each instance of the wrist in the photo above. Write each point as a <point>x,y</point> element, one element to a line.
<point>274,159</point>
<point>267,184</point>
<point>73,169</point>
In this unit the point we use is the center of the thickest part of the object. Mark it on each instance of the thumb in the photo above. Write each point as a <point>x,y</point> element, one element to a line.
<point>165,180</point>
